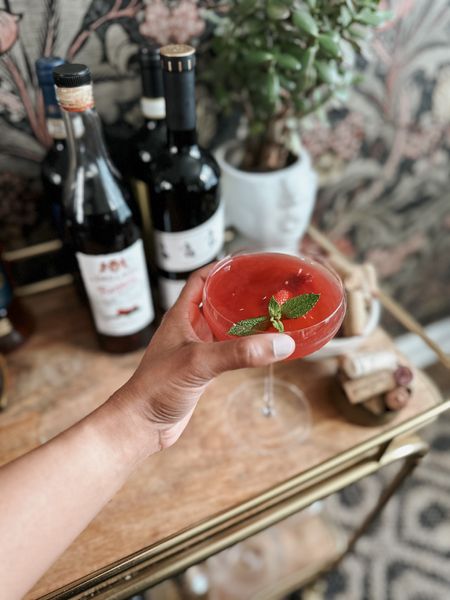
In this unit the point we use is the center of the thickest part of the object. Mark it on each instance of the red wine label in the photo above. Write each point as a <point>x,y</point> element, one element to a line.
<point>185,251</point>
<point>118,289</point>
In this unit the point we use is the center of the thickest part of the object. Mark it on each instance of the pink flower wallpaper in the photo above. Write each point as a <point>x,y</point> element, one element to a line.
<point>383,154</point>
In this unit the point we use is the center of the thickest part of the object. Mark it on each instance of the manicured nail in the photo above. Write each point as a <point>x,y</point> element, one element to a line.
<point>282,345</point>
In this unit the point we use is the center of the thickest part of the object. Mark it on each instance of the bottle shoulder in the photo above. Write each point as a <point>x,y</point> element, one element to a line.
<point>188,165</point>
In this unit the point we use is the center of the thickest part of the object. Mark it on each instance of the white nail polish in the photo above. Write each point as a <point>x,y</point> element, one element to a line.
<point>282,345</point>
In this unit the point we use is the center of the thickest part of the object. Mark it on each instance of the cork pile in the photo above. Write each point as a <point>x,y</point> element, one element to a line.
<point>361,286</point>
<point>374,384</point>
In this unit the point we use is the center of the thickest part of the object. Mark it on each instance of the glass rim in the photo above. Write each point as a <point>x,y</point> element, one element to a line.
<point>302,257</point>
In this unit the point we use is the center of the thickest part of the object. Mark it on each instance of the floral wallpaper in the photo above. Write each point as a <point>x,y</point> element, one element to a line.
<point>383,155</point>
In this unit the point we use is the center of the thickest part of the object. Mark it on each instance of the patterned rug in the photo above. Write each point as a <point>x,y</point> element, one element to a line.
<point>406,555</point>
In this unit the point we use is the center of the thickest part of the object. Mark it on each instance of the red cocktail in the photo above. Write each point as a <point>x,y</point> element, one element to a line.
<point>264,293</point>
<point>241,287</point>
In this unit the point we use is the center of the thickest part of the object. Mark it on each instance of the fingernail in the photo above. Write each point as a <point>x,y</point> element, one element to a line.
<point>282,345</point>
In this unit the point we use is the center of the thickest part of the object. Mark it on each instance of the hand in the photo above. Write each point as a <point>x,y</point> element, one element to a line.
<point>182,359</point>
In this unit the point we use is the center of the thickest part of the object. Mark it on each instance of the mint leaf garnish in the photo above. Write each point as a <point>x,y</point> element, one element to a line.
<point>291,309</point>
<point>298,306</point>
<point>274,309</point>
<point>249,326</point>
<point>278,325</point>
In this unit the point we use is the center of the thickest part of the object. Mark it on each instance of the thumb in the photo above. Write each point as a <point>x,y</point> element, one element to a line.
<point>252,351</point>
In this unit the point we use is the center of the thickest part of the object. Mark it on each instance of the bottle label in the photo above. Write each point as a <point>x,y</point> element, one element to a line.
<point>185,251</point>
<point>153,108</point>
<point>169,290</point>
<point>56,128</point>
<point>118,289</point>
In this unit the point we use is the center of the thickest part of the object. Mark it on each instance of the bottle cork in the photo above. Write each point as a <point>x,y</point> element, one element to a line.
<point>403,375</point>
<point>375,405</point>
<point>371,278</point>
<point>358,365</point>
<point>364,388</point>
<point>356,316</point>
<point>397,398</point>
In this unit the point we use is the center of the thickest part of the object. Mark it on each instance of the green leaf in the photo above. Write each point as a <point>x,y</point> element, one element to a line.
<point>299,305</point>
<point>329,45</point>
<point>307,58</point>
<point>287,83</point>
<point>249,326</point>
<point>278,325</point>
<point>356,33</point>
<point>287,61</point>
<point>277,12</point>
<point>345,16</point>
<point>327,71</point>
<point>258,56</point>
<point>305,21</point>
<point>274,308</point>
<point>273,87</point>
<point>372,17</point>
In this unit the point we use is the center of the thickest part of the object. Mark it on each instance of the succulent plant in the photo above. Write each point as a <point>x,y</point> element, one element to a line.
<point>280,60</point>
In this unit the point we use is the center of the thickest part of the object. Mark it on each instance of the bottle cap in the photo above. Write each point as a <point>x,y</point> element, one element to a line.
<point>150,64</point>
<point>44,69</point>
<point>72,75</point>
<point>148,54</point>
<point>177,58</point>
<point>73,85</point>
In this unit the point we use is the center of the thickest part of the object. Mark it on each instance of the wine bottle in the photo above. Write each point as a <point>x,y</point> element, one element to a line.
<point>15,323</point>
<point>54,165</point>
<point>100,224</point>
<point>187,213</point>
<point>151,138</point>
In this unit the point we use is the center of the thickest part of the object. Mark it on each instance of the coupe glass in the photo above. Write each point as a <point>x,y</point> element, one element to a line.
<point>239,288</point>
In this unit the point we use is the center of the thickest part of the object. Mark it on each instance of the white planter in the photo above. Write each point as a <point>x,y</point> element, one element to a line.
<point>272,209</point>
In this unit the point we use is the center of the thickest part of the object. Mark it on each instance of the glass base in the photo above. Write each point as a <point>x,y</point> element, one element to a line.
<point>268,426</point>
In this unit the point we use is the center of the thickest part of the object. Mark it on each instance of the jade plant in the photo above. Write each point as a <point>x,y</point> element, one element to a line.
<point>280,60</point>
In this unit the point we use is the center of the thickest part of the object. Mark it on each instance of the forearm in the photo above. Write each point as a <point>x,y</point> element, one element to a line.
<point>49,496</point>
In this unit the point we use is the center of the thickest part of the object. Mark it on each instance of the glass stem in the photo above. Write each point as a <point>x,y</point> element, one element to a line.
<point>269,408</point>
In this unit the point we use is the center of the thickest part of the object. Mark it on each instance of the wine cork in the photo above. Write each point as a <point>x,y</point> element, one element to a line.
<point>354,281</point>
<point>403,375</point>
<point>371,278</point>
<point>375,405</point>
<point>364,388</point>
<point>358,365</point>
<point>397,398</point>
<point>356,316</point>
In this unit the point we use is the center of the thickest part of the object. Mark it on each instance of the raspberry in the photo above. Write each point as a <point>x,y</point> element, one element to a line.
<point>282,295</point>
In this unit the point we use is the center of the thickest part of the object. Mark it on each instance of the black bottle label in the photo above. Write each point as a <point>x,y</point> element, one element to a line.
<point>118,289</point>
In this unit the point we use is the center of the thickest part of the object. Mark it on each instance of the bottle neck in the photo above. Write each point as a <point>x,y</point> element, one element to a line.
<point>56,128</point>
<point>153,109</point>
<point>179,90</point>
<point>182,138</point>
<point>84,136</point>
